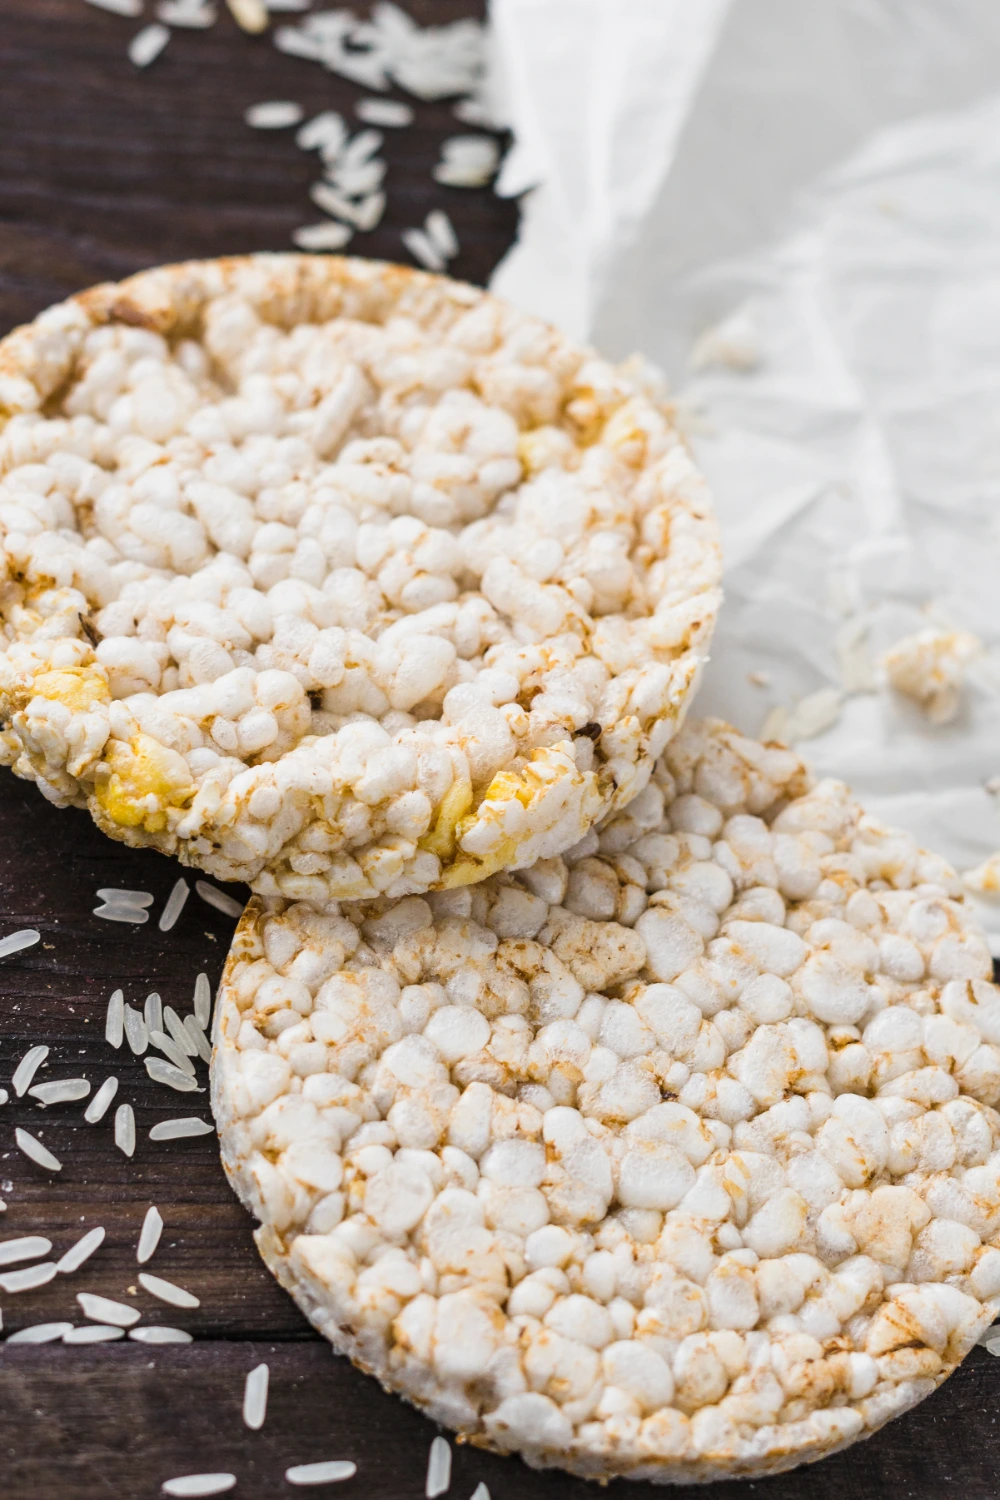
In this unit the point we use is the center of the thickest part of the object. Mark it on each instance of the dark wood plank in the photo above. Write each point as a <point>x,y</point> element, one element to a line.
<point>104,171</point>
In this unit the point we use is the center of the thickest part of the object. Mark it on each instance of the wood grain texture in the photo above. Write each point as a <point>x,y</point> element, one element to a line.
<point>103,171</point>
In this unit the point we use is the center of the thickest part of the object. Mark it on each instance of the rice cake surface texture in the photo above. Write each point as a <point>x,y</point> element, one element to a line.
<point>674,1158</point>
<point>339,578</point>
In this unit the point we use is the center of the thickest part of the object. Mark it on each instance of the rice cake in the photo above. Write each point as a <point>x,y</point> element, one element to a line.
<point>673,1158</point>
<point>339,578</point>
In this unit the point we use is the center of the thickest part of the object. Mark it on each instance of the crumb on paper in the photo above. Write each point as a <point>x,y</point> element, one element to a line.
<point>733,344</point>
<point>759,679</point>
<point>985,878</point>
<point>930,666</point>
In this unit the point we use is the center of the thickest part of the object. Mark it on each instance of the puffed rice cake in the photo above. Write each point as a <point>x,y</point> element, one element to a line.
<point>339,578</point>
<point>673,1158</point>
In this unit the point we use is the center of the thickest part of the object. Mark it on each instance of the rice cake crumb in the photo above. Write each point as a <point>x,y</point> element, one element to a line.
<point>675,1157</point>
<point>931,666</point>
<point>339,578</point>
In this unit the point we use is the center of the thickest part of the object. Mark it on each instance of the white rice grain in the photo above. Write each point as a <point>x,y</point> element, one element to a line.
<point>194,15</point>
<point>327,1472</point>
<point>135,1031</point>
<point>125,1128</point>
<point>27,1279</point>
<point>116,896</point>
<point>27,1068</point>
<point>114,1025</point>
<point>438,1468</point>
<point>4,1096</point>
<point>152,1012</point>
<point>149,1235</point>
<point>170,1049</point>
<point>458,175</point>
<point>369,211</point>
<point>40,1333</point>
<point>81,1251</point>
<point>423,249</point>
<point>480,1492</point>
<point>130,8</point>
<point>122,914</point>
<point>326,130</point>
<point>174,905</point>
<point>171,1075</point>
<point>296,43</point>
<point>193,1486</point>
<point>255,1397</point>
<point>60,1091</point>
<point>198,1038</point>
<point>442,233</point>
<point>26,1247</point>
<point>212,896</point>
<point>157,1334</point>
<point>388,112</point>
<point>105,1310</point>
<point>273,114</point>
<point>167,1291</point>
<point>36,1151</point>
<point>180,1128</point>
<point>177,1030</point>
<point>98,1106</point>
<point>203,1000</point>
<point>15,941</point>
<point>361,148</point>
<point>357,181</point>
<point>93,1333</point>
<point>329,236</point>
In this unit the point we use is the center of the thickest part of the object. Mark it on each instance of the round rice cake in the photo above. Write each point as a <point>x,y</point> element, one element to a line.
<point>673,1158</point>
<point>339,578</point>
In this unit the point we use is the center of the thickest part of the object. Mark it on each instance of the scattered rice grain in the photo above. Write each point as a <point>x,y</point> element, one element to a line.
<point>27,1279</point>
<point>171,1075</point>
<point>388,112</point>
<point>27,1068</point>
<point>114,1025</point>
<point>125,1128</point>
<point>442,233</point>
<point>273,114</point>
<point>25,1247</point>
<point>130,8</point>
<point>193,15</point>
<point>423,250</point>
<point>438,1468</point>
<point>152,1012</point>
<point>171,1051</point>
<point>122,914</point>
<point>214,897</point>
<point>356,181</point>
<point>203,1000</point>
<point>196,1485</point>
<point>149,1235</point>
<point>40,1333</point>
<point>36,1151</point>
<point>180,1128</point>
<point>327,1472</point>
<point>105,1310</point>
<point>174,905</point>
<point>323,130</point>
<point>167,1291</point>
<point>93,1333</point>
<point>198,1038</point>
<point>60,1091</point>
<point>98,1106</point>
<point>157,1334</point>
<point>480,1492</point>
<point>177,1030</point>
<point>255,1397</point>
<point>115,896</point>
<point>15,941</point>
<point>135,1031</point>
<point>147,44</point>
<point>81,1251</point>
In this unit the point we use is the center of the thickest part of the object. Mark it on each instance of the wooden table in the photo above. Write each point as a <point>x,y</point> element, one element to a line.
<point>104,170</point>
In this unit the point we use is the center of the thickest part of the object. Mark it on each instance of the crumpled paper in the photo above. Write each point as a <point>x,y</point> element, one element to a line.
<point>795,211</point>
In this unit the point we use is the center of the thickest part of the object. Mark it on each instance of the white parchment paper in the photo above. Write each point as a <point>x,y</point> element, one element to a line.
<point>795,210</point>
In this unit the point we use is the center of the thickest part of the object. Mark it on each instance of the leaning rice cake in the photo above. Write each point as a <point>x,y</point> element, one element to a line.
<point>339,578</point>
